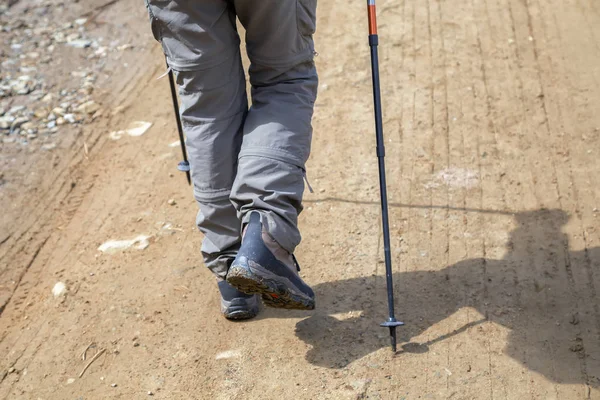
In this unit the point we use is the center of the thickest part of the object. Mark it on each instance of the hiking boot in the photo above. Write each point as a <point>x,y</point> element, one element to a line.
<point>236,305</point>
<point>263,267</point>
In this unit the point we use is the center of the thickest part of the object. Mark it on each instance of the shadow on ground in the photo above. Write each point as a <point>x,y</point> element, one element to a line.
<point>531,291</point>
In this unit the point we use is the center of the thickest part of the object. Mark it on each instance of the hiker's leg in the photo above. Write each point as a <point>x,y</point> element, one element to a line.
<point>277,130</point>
<point>202,47</point>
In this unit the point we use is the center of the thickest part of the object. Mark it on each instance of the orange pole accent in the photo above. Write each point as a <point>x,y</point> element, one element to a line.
<point>372,20</point>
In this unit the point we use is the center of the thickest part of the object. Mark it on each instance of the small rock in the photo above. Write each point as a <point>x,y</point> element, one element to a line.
<point>51,124</point>
<point>40,113</point>
<point>136,344</point>
<point>101,51</point>
<point>11,370</point>
<point>16,109</point>
<point>79,43</point>
<point>228,354</point>
<point>58,111</point>
<point>89,107</point>
<point>5,122</point>
<point>27,126</point>
<point>574,319</point>
<point>150,393</point>
<point>48,146</point>
<point>171,202</point>
<point>113,385</point>
<point>112,246</point>
<point>80,21</point>
<point>18,122</point>
<point>59,289</point>
<point>70,118</point>
<point>60,121</point>
<point>48,98</point>
<point>70,380</point>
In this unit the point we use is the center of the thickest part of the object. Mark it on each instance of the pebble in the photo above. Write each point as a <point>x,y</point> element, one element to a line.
<point>58,111</point>
<point>112,246</point>
<point>48,146</point>
<point>28,126</point>
<point>171,202</point>
<point>48,98</point>
<point>113,385</point>
<point>70,118</point>
<point>16,109</point>
<point>60,121</point>
<point>79,43</point>
<point>18,122</point>
<point>59,289</point>
<point>5,122</point>
<point>89,107</point>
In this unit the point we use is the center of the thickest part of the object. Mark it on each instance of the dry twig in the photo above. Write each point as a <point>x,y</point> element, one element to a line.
<point>98,354</point>
<point>84,354</point>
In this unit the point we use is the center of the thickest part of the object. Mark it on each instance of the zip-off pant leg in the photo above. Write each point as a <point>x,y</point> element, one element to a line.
<point>202,47</point>
<point>277,130</point>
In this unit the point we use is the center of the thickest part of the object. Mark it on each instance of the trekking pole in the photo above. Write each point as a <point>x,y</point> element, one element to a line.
<point>391,323</point>
<point>184,165</point>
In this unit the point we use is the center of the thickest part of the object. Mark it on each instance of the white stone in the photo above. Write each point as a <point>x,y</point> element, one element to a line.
<point>113,246</point>
<point>59,289</point>
<point>136,128</point>
<point>228,354</point>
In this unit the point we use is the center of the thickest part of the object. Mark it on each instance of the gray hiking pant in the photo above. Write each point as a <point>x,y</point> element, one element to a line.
<point>242,159</point>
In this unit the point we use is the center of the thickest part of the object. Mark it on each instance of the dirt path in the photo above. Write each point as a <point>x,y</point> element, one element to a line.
<point>493,153</point>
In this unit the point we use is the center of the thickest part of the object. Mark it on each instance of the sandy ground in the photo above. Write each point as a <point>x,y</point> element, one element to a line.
<point>493,152</point>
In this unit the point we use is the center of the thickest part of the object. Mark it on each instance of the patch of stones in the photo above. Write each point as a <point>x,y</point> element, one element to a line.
<point>29,108</point>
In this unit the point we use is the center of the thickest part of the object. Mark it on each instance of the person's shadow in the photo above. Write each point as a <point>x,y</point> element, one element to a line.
<point>538,290</point>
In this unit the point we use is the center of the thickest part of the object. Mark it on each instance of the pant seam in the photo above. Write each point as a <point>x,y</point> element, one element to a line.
<point>273,153</point>
<point>201,122</point>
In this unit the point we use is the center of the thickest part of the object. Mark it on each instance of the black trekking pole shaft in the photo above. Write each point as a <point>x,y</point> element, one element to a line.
<point>184,165</point>
<point>391,323</point>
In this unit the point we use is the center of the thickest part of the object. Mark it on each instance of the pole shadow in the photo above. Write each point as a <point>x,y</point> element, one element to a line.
<point>530,291</point>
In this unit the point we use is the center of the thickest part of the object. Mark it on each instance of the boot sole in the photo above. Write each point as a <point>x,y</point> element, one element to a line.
<point>239,315</point>
<point>276,293</point>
